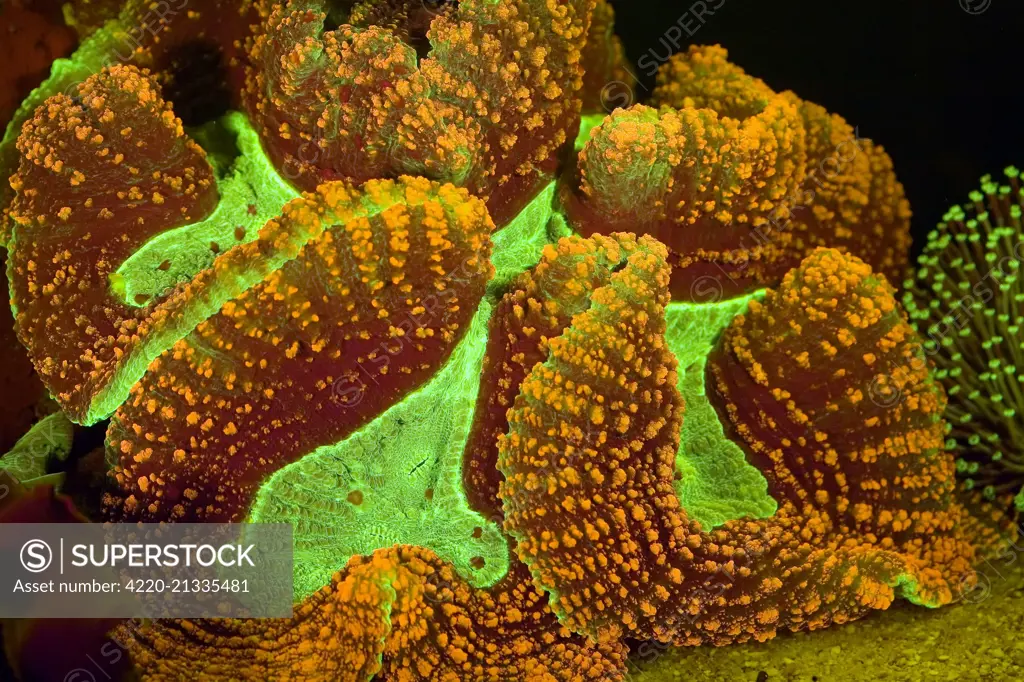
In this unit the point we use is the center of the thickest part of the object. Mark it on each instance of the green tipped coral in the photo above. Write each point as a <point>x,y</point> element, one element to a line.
<point>966,300</point>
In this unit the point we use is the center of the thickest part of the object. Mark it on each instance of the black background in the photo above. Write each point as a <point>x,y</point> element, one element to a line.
<point>941,89</point>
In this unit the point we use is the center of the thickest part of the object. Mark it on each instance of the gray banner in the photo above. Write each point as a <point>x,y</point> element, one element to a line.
<point>187,570</point>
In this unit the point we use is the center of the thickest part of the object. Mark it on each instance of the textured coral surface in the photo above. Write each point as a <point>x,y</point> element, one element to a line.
<point>867,508</point>
<point>739,181</point>
<point>537,388</point>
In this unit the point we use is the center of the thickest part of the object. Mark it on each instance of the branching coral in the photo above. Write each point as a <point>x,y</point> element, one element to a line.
<point>966,299</point>
<point>739,181</point>
<point>357,103</point>
<point>400,614</point>
<point>866,507</point>
<point>377,283</point>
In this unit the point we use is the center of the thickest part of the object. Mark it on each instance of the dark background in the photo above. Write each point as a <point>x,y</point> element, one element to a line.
<point>940,88</point>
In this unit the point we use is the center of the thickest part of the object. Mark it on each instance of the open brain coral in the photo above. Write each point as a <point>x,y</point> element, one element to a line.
<point>315,262</point>
<point>966,300</point>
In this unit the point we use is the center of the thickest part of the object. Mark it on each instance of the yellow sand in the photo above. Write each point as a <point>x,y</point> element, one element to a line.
<point>981,640</point>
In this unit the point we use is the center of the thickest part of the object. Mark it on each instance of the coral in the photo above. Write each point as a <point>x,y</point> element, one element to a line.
<point>108,171</point>
<point>739,181</point>
<point>965,298</point>
<point>866,506</point>
<point>20,389</point>
<point>336,285</point>
<point>605,66</point>
<point>393,482</point>
<point>540,307</point>
<point>357,103</point>
<point>379,282</point>
<point>80,159</point>
<point>397,480</point>
<point>398,614</point>
<point>969,642</point>
<point>714,481</point>
<point>194,53</point>
<point>50,439</point>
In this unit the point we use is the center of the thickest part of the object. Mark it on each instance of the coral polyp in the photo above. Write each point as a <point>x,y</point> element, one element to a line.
<point>965,298</point>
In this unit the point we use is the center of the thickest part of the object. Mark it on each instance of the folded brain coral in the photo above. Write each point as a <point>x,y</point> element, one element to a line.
<point>195,52</point>
<point>966,300</point>
<point>358,103</point>
<point>866,506</point>
<point>740,182</point>
<point>400,614</point>
<point>370,367</point>
<point>378,284</point>
<point>113,172</point>
<point>103,171</point>
<point>540,307</point>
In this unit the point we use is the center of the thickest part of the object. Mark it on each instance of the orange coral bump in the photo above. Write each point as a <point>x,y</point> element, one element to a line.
<point>100,174</point>
<point>825,386</point>
<point>740,182</point>
<point>358,102</point>
<point>399,614</point>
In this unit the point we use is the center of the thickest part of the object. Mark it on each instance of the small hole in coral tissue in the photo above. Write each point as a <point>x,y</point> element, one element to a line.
<point>356,497</point>
<point>165,266</point>
<point>478,532</point>
<point>141,298</point>
<point>215,247</point>
<point>429,493</point>
<point>477,562</point>
<point>239,233</point>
